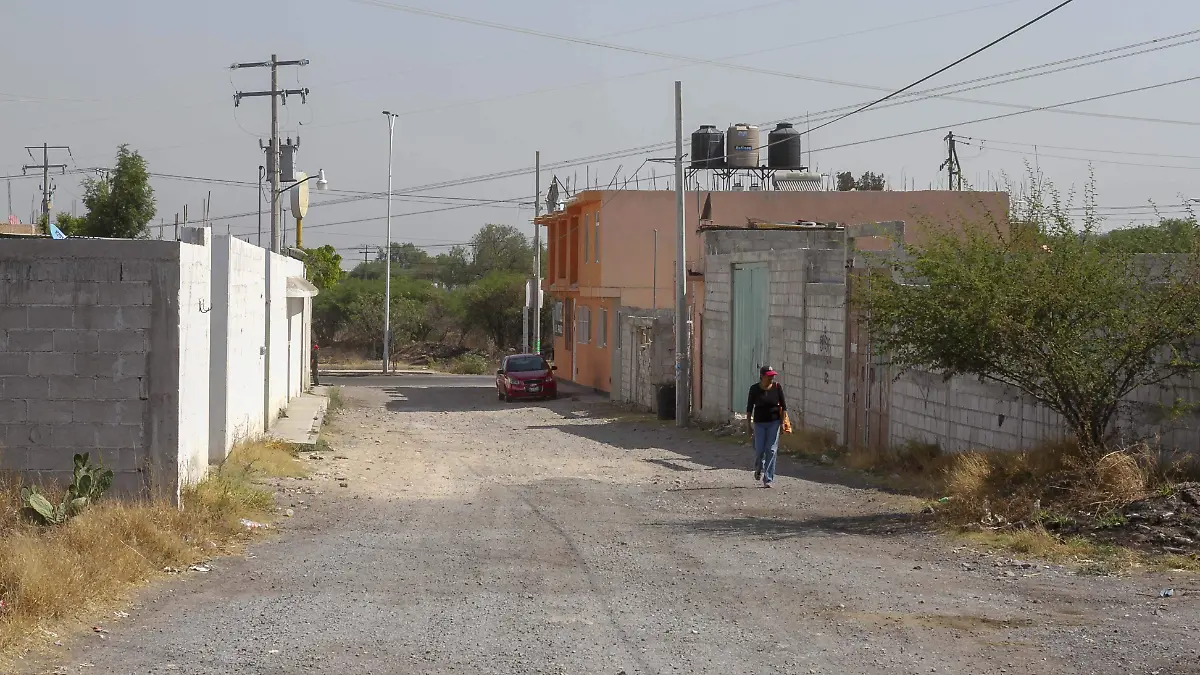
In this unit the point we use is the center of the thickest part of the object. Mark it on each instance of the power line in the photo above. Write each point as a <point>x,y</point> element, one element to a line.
<point>943,69</point>
<point>1091,160</point>
<point>1072,149</point>
<point>1013,114</point>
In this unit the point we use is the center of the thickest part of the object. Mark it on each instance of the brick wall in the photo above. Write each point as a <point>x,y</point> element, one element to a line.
<point>90,359</point>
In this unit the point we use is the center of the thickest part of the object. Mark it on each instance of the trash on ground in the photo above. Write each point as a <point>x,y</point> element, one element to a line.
<point>1167,593</point>
<point>171,570</point>
<point>252,525</point>
<point>200,568</point>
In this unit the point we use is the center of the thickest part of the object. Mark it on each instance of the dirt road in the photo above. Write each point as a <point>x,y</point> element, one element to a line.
<point>479,537</point>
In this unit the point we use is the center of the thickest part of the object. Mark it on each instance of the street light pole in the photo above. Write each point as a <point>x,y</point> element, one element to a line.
<point>387,266</point>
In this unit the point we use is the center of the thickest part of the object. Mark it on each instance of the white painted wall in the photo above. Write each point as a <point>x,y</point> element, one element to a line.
<point>296,348</point>
<point>238,357</point>
<point>281,267</point>
<point>195,313</point>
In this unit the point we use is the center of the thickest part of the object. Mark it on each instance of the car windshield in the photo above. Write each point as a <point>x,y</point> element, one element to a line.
<point>525,364</point>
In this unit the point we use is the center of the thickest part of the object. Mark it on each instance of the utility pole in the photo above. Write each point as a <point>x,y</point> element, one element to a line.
<point>262,173</point>
<point>682,322</point>
<point>276,95</point>
<point>10,211</point>
<point>387,265</point>
<point>45,166</point>
<point>951,165</point>
<point>537,252</point>
<point>365,249</point>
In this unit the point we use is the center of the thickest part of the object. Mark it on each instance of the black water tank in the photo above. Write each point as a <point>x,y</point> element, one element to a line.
<point>708,148</point>
<point>783,148</point>
<point>666,401</point>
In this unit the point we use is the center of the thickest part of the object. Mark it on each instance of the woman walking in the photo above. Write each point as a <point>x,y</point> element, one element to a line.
<point>766,412</point>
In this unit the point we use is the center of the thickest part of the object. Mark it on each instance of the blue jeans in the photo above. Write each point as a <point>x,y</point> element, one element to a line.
<point>766,447</point>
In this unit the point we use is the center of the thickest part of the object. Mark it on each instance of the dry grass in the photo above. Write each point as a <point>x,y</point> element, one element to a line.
<point>336,401</point>
<point>269,458</point>
<point>1017,496</point>
<point>50,575</point>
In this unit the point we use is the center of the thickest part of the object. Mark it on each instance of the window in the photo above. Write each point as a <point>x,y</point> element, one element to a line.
<point>602,328</point>
<point>558,317</point>
<point>525,364</point>
<point>587,229</point>
<point>584,326</point>
<point>597,242</point>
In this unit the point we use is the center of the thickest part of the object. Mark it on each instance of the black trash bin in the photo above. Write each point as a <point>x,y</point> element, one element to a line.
<point>666,401</point>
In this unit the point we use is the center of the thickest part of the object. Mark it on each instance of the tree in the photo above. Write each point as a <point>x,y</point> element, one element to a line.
<point>500,248</point>
<point>1071,320</point>
<point>72,226</point>
<point>453,269</point>
<point>1169,235</point>
<point>324,266</point>
<point>121,202</point>
<point>868,182</point>
<point>493,305</point>
<point>405,256</point>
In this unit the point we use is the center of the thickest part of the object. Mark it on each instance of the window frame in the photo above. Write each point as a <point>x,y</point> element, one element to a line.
<point>596,243</point>
<point>602,328</point>
<point>587,229</point>
<point>583,325</point>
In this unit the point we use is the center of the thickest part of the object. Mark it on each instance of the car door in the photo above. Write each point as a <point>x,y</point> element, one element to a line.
<point>500,374</point>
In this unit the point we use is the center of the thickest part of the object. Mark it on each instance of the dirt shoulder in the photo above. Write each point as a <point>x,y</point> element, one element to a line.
<point>474,536</point>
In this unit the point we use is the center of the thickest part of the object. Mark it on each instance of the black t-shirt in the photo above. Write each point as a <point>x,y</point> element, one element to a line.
<point>764,405</point>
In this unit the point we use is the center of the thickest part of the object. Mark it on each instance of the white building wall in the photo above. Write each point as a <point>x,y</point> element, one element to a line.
<point>281,267</point>
<point>195,313</point>
<point>238,353</point>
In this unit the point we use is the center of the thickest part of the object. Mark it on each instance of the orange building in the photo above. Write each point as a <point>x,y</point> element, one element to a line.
<point>602,245</point>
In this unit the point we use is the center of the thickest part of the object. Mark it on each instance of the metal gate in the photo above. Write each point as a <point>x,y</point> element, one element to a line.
<point>750,320</point>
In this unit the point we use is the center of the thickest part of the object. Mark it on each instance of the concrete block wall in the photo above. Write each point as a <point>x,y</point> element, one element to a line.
<point>964,413</point>
<point>645,355</point>
<point>93,336</point>
<point>807,291</point>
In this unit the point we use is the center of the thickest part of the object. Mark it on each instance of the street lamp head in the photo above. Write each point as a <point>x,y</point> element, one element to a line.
<point>322,183</point>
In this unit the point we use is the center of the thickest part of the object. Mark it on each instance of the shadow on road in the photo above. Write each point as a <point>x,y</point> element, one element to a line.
<point>464,398</point>
<point>882,524</point>
<point>696,447</point>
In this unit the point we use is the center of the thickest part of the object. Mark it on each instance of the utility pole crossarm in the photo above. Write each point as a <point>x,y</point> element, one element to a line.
<point>268,64</point>
<point>283,93</point>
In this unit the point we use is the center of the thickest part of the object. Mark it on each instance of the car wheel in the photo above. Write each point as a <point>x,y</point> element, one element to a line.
<point>507,398</point>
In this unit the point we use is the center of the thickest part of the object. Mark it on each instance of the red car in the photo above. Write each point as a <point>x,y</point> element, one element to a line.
<point>525,376</point>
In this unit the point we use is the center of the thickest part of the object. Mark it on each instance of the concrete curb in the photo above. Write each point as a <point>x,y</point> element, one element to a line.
<point>305,417</point>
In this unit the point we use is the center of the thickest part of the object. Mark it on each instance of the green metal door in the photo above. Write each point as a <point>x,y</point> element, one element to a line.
<point>750,321</point>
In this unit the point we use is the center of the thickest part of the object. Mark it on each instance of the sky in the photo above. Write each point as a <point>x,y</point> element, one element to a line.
<point>476,100</point>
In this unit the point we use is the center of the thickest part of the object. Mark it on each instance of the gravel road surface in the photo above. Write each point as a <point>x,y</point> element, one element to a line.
<point>475,536</point>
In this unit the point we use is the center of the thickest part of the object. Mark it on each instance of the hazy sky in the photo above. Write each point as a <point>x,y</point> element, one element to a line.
<point>478,100</point>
